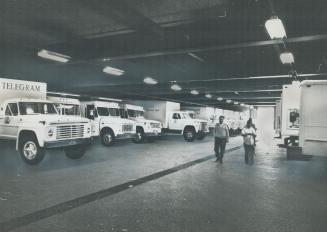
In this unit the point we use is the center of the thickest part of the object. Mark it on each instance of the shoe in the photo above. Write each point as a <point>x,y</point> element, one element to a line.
<point>217,160</point>
<point>221,161</point>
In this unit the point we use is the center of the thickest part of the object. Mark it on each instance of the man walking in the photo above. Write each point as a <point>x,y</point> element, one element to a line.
<point>221,134</point>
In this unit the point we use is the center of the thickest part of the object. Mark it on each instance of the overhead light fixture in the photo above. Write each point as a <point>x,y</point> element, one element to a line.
<point>237,93</point>
<point>229,101</point>
<point>53,56</point>
<point>176,87</point>
<point>150,81</point>
<point>236,103</point>
<point>194,92</point>
<point>208,95</point>
<point>242,104</point>
<point>275,28</point>
<point>113,71</point>
<point>286,58</point>
<point>251,107</point>
<point>220,99</point>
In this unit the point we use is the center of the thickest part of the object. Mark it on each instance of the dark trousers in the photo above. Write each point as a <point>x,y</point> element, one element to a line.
<point>220,145</point>
<point>249,153</point>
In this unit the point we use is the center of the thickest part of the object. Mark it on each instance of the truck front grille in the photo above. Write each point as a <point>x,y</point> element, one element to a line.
<point>127,128</point>
<point>70,131</point>
<point>155,125</point>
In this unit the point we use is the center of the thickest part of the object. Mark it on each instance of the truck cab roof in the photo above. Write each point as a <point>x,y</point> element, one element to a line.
<point>27,100</point>
<point>103,104</point>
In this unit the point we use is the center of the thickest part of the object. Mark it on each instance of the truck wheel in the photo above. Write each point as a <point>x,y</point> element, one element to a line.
<point>139,138</point>
<point>201,136</point>
<point>30,151</point>
<point>189,134</point>
<point>75,152</point>
<point>107,138</point>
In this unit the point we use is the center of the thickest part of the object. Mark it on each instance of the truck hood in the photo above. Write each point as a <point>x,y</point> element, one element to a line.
<point>49,119</point>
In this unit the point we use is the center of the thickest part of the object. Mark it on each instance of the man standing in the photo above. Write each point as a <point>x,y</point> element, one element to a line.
<point>221,134</point>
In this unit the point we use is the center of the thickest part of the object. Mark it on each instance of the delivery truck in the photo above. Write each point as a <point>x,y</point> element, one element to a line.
<point>106,117</point>
<point>204,113</point>
<point>145,128</point>
<point>313,115</point>
<point>72,107</point>
<point>175,121</point>
<point>34,122</point>
<point>290,121</point>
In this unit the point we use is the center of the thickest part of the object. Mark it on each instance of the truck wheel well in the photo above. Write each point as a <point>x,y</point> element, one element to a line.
<point>26,133</point>
<point>139,128</point>
<point>106,129</point>
<point>189,127</point>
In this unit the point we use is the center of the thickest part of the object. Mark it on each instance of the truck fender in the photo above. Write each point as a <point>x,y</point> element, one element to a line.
<point>105,129</point>
<point>189,126</point>
<point>30,132</point>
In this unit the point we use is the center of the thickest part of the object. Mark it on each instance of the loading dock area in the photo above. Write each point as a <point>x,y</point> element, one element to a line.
<point>128,189</point>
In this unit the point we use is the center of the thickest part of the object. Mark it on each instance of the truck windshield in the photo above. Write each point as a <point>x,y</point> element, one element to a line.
<point>186,116</point>
<point>103,111</point>
<point>135,113</point>
<point>30,108</point>
<point>70,109</point>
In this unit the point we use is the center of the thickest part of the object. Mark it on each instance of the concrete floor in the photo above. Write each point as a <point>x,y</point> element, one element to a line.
<point>63,195</point>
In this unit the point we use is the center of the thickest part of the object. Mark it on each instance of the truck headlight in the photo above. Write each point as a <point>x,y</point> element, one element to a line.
<point>50,132</point>
<point>88,130</point>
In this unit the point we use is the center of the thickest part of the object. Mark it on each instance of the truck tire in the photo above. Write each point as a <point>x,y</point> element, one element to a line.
<point>139,136</point>
<point>189,134</point>
<point>75,152</point>
<point>30,151</point>
<point>200,136</point>
<point>107,138</point>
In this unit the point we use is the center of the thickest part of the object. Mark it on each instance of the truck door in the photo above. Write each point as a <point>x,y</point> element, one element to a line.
<point>175,122</point>
<point>91,114</point>
<point>11,121</point>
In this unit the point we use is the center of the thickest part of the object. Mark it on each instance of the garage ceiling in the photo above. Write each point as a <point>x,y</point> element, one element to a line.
<point>214,46</point>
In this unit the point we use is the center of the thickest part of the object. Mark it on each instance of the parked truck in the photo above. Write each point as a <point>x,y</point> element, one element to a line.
<point>106,117</point>
<point>72,106</point>
<point>204,113</point>
<point>34,122</point>
<point>174,120</point>
<point>313,114</point>
<point>145,128</point>
<point>290,120</point>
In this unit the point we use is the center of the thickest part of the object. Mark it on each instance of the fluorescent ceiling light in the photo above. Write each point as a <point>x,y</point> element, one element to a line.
<point>113,71</point>
<point>229,101</point>
<point>275,28</point>
<point>251,107</point>
<point>194,92</point>
<point>287,58</point>
<point>64,94</point>
<point>53,56</point>
<point>220,99</point>
<point>208,95</point>
<point>235,103</point>
<point>242,104</point>
<point>150,81</point>
<point>176,87</point>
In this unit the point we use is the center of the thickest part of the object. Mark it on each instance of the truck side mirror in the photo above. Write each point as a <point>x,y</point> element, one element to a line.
<point>91,114</point>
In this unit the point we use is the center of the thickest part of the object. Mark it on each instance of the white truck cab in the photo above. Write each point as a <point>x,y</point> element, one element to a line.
<point>144,127</point>
<point>174,120</point>
<point>106,118</point>
<point>35,123</point>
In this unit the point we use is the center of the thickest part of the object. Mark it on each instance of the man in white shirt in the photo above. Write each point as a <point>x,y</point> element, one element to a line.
<point>249,135</point>
<point>221,134</point>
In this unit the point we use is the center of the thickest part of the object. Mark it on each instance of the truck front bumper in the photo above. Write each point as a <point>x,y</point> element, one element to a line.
<point>125,136</point>
<point>152,134</point>
<point>67,143</point>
